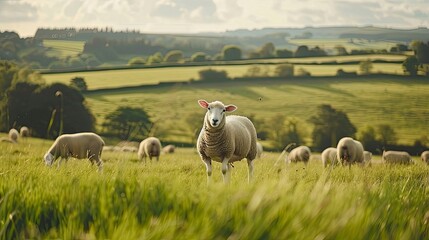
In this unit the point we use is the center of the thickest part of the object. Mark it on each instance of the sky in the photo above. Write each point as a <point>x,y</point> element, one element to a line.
<point>194,16</point>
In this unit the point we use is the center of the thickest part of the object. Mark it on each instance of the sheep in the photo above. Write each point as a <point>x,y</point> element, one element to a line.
<point>24,131</point>
<point>225,139</point>
<point>329,156</point>
<point>128,149</point>
<point>149,147</point>
<point>79,145</point>
<point>13,135</point>
<point>259,149</point>
<point>350,151</point>
<point>299,154</point>
<point>400,157</point>
<point>425,157</point>
<point>169,149</point>
<point>367,156</point>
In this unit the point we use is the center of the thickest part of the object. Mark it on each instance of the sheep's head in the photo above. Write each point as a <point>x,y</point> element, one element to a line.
<point>216,111</point>
<point>49,158</point>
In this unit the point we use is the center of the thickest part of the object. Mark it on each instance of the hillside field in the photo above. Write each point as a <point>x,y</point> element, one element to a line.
<point>64,48</point>
<point>170,199</point>
<point>399,102</point>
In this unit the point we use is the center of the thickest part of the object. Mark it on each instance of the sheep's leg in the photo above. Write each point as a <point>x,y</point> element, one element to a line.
<point>59,162</point>
<point>225,170</point>
<point>250,166</point>
<point>208,163</point>
<point>99,164</point>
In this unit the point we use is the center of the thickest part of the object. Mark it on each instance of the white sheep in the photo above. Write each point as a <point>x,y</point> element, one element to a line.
<point>367,156</point>
<point>329,156</point>
<point>425,157</point>
<point>225,139</point>
<point>79,145</point>
<point>24,131</point>
<point>259,149</point>
<point>169,149</point>
<point>149,147</point>
<point>400,157</point>
<point>349,151</point>
<point>299,154</point>
<point>13,135</point>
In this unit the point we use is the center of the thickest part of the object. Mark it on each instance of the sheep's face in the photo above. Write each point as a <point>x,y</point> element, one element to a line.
<point>216,111</point>
<point>49,159</point>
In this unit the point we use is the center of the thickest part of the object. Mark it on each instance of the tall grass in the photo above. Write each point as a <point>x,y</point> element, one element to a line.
<point>170,199</point>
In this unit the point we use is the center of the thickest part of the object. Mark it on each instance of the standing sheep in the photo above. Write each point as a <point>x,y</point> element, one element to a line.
<point>349,151</point>
<point>425,157</point>
<point>24,131</point>
<point>392,157</point>
<point>79,145</point>
<point>299,154</point>
<point>13,135</point>
<point>169,149</point>
<point>329,156</point>
<point>225,139</point>
<point>149,147</point>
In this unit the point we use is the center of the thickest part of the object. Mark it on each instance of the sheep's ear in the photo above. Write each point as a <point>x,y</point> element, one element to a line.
<point>203,103</point>
<point>230,108</point>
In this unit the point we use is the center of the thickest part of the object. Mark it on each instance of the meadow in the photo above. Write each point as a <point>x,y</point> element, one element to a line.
<point>399,102</point>
<point>63,48</point>
<point>170,199</point>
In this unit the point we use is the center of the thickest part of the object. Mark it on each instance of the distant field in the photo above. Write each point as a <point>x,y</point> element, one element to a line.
<point>135,77</point>
<point>400,103</point>
<point>63,48</point>
<point>349,44</point>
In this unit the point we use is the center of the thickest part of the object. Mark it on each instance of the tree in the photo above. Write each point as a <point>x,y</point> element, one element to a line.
<point>128,123</point>
<point>284,70</point>
<point>173,56</point>
<point>267,51</point>
<point>199,57</point>
<point>79,83</point>
<point>365,67</point>
<point>212,75</point>
<point>230,52</point>
<point>284,53</point>
<point>341,51</point>
<point>411,65</point>
<point>282,131</point>
<point>330,125</point>
<point>154,59</point>
<point>387,135</point>
<point>136,61</point>
<point>302,51</point>
<point>368,138</point>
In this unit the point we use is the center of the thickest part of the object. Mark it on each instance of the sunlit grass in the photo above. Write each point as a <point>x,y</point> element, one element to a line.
<point>63,48</point>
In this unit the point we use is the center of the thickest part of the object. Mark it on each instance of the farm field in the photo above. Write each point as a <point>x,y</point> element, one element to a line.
<point>150,76</point>
<point>63,48</point>
<point>347,43</point>
<point>169,199</point>
<point>400,103</point>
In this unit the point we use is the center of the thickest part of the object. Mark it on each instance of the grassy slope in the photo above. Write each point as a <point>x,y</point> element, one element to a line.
<point>400,103</point>
<point>62,48</point>
<point>170,199</point>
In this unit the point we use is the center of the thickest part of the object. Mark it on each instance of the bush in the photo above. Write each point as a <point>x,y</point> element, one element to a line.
<point>136,61</point>
<point>284,70</point>
<point>212,75</point>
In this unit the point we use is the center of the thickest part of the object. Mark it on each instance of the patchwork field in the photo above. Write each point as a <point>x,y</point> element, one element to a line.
<point>170,199</point>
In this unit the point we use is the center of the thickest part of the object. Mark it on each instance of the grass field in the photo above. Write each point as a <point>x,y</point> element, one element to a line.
<point>348,44</point>
<point>400,103</point>
<point>170,199</point>
<point>63,48</point>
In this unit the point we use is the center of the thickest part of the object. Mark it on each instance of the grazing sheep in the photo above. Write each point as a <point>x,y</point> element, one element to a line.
<point>24,131</point>
<point>133,144</point>
<point>169,149</point>
<point>329,156</point>
<point>149,147</point>
<point>79,145</point>
<point>425,157</point>
<point>299,154</point>
<point>367,156</point>
<point>349,151</point>
<point>225,139</point>
<point>128,149</point>
<point>6,139</point>
<point>398,157</point>
<point>13,135</point>
<point>259,149</point>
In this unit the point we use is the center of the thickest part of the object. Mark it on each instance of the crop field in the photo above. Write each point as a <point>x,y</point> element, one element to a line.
<point>170,199</point>
<point>348,44</point>
<point>150,76</point>
<point>63,48</point>
<point>400,103</point>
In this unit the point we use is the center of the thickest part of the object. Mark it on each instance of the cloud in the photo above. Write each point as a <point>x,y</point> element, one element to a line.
<point>186,10</point>
<point>17,11</point>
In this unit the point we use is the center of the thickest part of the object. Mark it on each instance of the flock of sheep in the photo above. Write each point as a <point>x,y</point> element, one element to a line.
<point>223,139</point>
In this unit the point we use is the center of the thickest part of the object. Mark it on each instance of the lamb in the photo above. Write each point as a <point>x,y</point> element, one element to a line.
<point>13,135</point>
<point>225,139</point>
<point>169,149</point>
<point>79,145</point>
<point>329,156</point>
<point>24,131</point>
<point>299,154</point>
<point>149,147</point>
<point>425,157</point>
<point>259,149</point>
<point>400,157</point>
<point>349,151</point>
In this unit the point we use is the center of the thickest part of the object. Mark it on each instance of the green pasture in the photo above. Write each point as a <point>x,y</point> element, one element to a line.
<point>400,103</point>
<point>150,76</point>
<point>63,48</point>
<point>347,43</point>
<point>170,199</point>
